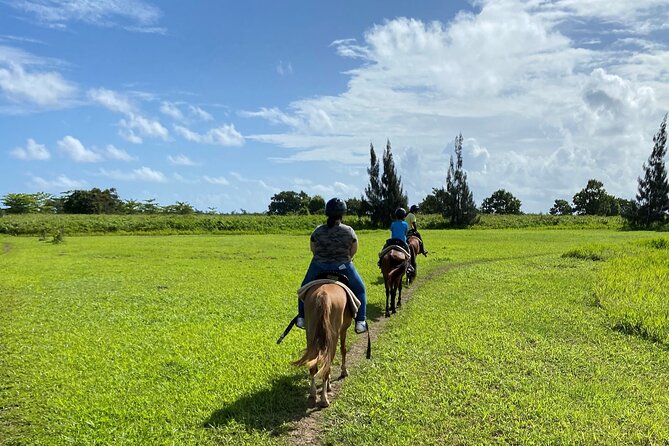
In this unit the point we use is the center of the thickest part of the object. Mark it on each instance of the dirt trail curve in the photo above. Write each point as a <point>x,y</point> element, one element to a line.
<point>307,431</point>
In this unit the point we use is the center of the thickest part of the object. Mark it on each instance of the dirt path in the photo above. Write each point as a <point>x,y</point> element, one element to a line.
<point>307,430</point>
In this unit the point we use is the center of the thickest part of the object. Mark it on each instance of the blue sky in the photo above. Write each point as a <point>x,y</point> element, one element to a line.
<point>224,104</point>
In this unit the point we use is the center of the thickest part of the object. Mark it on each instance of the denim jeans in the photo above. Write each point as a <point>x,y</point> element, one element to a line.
<point>354,283</point>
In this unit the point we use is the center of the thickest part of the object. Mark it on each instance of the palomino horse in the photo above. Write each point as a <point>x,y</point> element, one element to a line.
<point>414,249</point>
<point>326,320</point>
<point>394,264</point>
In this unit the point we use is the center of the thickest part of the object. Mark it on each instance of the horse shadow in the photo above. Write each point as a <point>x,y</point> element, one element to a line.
<point>268,410</point>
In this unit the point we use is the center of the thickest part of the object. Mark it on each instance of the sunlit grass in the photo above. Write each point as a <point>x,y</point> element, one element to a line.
<point>172,340</point>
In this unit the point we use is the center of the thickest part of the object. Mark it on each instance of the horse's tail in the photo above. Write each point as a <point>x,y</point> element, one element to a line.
<point>319,335</point>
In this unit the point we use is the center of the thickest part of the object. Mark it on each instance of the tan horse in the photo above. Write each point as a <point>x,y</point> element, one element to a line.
<point>326,320</point>
<point>394,264</point>
<point>414,249</point>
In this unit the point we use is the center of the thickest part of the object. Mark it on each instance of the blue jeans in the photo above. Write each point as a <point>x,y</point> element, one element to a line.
<point>354,283</point>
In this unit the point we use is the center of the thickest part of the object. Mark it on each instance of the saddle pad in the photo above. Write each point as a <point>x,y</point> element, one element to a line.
<point>396,248</point>
<point>353,302</point>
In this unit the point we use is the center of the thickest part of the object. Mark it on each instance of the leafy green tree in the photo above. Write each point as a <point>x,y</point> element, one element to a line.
<point>501,202</point>
<point>289,202</point>
<point>354,206</point>
<point>460,207</point>
<point>653,191</point>
<point>150,207</point>
<point>392,194</point>
<point>27,203</point>
<point>561,207</point>
<point>316,205</point>
<point>373,201</point>
<point>434,203</point>
<point>594,200</point>
<point>94,201</point>
<point>180,208</point>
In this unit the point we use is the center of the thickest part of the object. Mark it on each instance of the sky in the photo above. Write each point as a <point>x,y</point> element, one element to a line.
<point>224,104</point>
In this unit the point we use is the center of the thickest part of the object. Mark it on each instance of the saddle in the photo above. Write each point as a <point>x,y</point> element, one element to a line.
<point>353,302</point>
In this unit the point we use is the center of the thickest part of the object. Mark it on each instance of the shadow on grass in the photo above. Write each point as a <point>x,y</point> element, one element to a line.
<point>268,410</point>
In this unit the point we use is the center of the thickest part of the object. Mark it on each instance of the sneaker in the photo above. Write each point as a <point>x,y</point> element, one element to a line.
<point>299,323</point>
<point>360,326</point>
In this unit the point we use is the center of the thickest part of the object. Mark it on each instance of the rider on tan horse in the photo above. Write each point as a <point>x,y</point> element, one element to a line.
<point>413,229</point>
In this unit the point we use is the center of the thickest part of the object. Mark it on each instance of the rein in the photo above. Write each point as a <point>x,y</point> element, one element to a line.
<point>287,330</point>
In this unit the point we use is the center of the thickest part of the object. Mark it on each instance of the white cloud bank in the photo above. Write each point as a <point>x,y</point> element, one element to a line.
<point>540,112</point>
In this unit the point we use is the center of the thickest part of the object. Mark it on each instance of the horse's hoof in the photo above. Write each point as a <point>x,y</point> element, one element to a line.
<point>344,374</point>
<point>324,403</point>
<point>387,313</point>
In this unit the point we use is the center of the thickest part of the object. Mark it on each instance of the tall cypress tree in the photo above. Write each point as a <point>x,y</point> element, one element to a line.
<point>373,192</point>
<point>460,206</point>
<point>653,192</point>
<point>391,187</point>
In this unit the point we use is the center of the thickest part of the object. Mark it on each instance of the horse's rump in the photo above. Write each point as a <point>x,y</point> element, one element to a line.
<point>394,262</point>
<point>324,308</point>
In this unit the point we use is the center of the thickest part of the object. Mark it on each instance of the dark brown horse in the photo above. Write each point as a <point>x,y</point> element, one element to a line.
<point>394,264</point>
<point>414,249</point>
<point>326,320</point>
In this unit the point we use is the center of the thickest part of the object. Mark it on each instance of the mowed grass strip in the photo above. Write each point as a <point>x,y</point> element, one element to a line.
<point>171,340</point>
<point>508,351</point>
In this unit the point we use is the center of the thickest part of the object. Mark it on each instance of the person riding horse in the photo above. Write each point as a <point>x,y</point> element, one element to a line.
<point>333,246</point>
<point>413,229</point>
<point>398,232</point>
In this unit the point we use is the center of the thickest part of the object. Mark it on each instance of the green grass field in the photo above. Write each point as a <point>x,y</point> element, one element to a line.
<point>518,337</point>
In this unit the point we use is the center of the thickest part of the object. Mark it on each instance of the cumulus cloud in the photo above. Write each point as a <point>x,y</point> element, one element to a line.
<point>43,88</point>
<point>181,160</point>
<point>115,153</point>
<point>145,174</point>
<point>134,127</point>
<point>32,151</point>
<point>200,113</point>
<point>73,148</point>
<point>541,106</point>
<point>225,135</point>
<point>171,110</point>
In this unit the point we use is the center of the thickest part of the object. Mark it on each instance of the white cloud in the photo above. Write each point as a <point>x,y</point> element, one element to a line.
<point>60,183</point>
<point>73,148</point>
<point>199,113</point>
<point>32,151</point>
<point>217,180</point>
<point>225,135</point>
<point>137,126</point>
<point>118,154</point>
<point>171,110</point>
<point>129,14</point>
<point>40,88</point>
<point>111,100</point>
<point>540,114</point>
<point>142,174</point>
<point>181,160</point>
<point>134,127</point>
<point>284,68</point>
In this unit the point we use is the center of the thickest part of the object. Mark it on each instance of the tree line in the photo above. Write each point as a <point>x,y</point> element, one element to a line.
<point>384,193</point>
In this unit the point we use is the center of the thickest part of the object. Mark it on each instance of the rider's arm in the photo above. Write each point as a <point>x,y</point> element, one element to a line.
<point>312,245</point>
<point>354,248</point>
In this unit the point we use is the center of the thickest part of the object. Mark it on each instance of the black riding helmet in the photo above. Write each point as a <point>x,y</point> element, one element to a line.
<point>400,213</point>
<point>335,208</point>
<point>413,208</point>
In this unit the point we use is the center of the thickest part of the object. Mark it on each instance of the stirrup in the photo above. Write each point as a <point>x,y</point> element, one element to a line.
<point>299,323</point>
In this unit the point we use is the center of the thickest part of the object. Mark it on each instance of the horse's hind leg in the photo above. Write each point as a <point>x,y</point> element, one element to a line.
<point>312,388</point>
<point>399,295</point>
<point>325,402</point>
<point>387,301</point>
